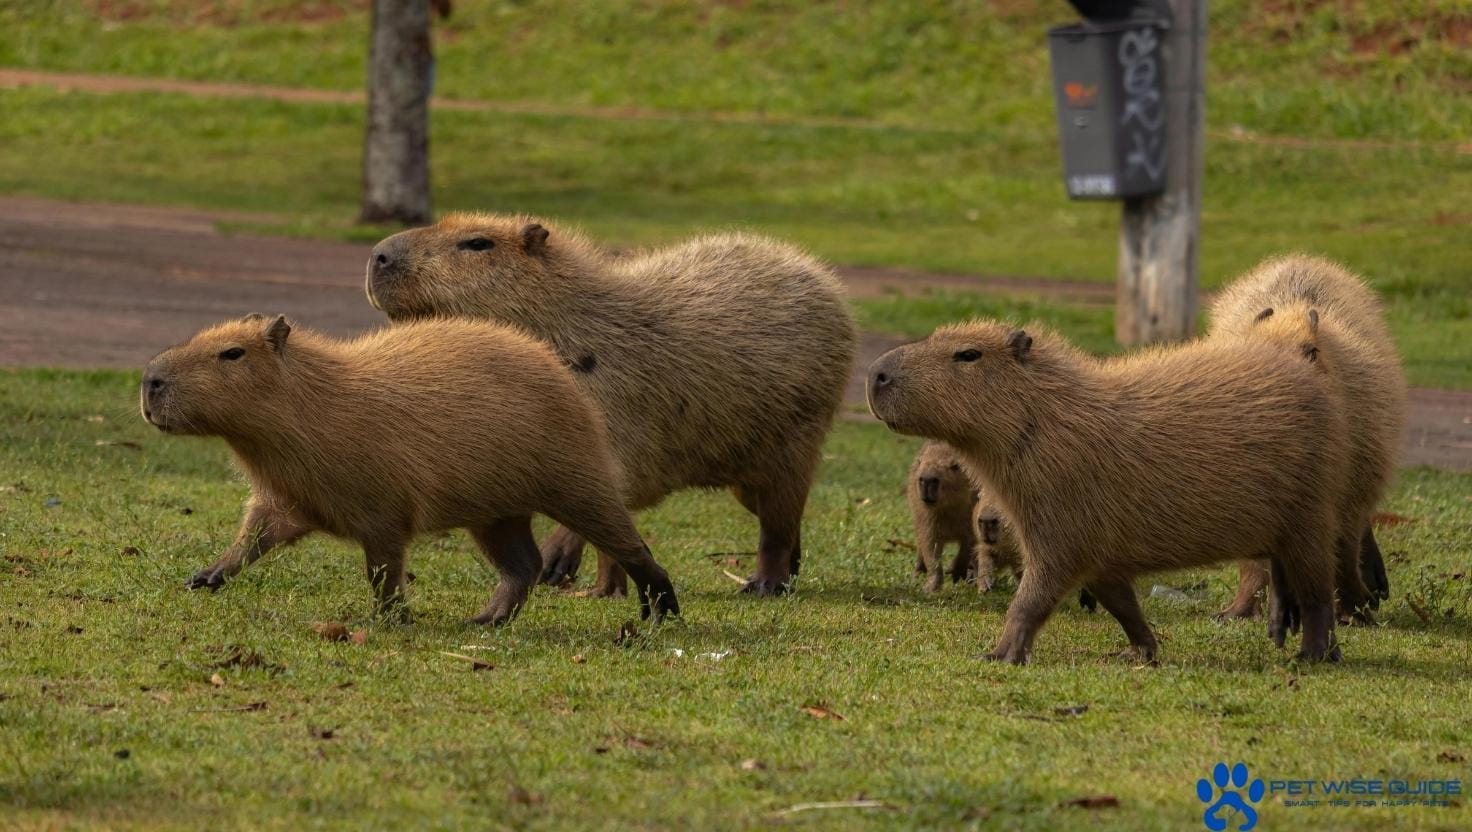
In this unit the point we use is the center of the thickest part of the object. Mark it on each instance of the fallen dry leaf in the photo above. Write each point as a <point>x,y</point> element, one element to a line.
<point>359,637</point>
<point>519,795</point>
<point>896,543</point>
<point>331,630</point>
<point>217,680</point>
<point>475,664</point>
<point>1389,519</point>
<point>1071,710</point>
<point>753,765</point>
<point>627,632</point>
<point>821,712</point>
<point>1450,757</point>
<point>1094,801</point>
<point>578,658</point>
<point>118,443</point>
<point>130,551</point>
<point>322,733</point>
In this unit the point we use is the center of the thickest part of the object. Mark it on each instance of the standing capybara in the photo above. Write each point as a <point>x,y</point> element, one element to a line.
<point>718,362</point>
<point>1169,458</point>
<point>996,545</point>
<point>1311,304</point>
<point>412,429</point>
<point>941,500</point>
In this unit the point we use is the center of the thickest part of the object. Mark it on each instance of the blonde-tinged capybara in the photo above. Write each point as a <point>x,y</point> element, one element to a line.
<point>1331,316</point>
<point>996,544</point>
<point>718,362</point>
<point>1167,458</point>
<point>941,499</point>
<point>415,428</point>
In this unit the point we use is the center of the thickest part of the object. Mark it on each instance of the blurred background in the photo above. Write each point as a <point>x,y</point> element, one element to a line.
<point>917,136</point>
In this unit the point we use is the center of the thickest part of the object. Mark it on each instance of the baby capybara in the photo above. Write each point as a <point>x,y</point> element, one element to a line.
<point>941,499</point>
<point>412,429</point>
<point>996,545</point>
<point>718,362</point>
<point>1311,304</point>
<point>1168,458</point>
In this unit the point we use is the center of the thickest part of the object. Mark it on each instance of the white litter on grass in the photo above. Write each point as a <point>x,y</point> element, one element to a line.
<point>709,657</point>
<point>1169,593</point>
<point>679,654</point>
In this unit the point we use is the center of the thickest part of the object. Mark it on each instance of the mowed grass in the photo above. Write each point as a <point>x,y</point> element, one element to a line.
<point>110,715</point>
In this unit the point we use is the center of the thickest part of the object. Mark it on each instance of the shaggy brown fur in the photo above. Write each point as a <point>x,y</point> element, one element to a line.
<point>996,544</point>
<point>1308,303</point>
<point>719,362</point>
<point>941,501</point>
<point>1168,458</point>
<point>412,429</point>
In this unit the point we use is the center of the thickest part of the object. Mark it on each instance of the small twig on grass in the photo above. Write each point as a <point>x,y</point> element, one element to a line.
<point>253,706</point>
<point>835,804</point>
<point>730,554</point>
<point>737,578</point>
<point>903,544</point>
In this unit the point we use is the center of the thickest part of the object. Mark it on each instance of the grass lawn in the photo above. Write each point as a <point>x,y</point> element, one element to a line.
<point>128,702</point>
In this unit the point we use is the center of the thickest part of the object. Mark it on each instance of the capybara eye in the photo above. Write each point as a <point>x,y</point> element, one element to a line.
<point>477,244</point>
<point>966,355</point>
<point>955,466</point>
<point>232,354</point>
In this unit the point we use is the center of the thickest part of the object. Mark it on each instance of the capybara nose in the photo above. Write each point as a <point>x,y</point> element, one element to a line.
<point>881,379</point>
<point>991,530</point>
<point>386,257</point>
<point>930,489</point>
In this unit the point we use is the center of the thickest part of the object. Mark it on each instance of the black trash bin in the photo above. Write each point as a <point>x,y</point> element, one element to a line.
<point>1108,82</point>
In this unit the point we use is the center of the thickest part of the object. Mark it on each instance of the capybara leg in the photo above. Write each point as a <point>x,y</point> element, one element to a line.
<point>1118,597</point>
<point>1037,596</point>
<point>612,581</point>
<point>919,564</point>
<point>1252,579</point>
<point>263,528</point>
<point>385,560</point>
<point>562,554</point>
<point>1354,598</point>
<point>1309,577</point>
<point>779,549</point>
<point>1087,601</point>
<point>1283,613</point>
<point>509,546</point>
<point>1372,568</point>
<point>986,571</point>
<point>963,566</point>
<point>932,550</point>
<point>604,522</point>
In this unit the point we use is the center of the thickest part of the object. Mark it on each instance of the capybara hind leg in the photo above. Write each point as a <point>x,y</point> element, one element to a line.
<point>562,554</point>
<point>1118,597</point>
<point>509,546</point>
<point>385,560</point>
<point>1252,579</point>
<point>1372,568</point>
<point>1283,613</point>
<point>1309,576</point>
<point>1354,599</point>
<point>612,581</point>
<point>1037,596</point>
<point>604,522</point>
<point>779,549</point>
<point>263,528</point>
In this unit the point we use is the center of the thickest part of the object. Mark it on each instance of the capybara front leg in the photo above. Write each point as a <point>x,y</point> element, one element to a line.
<point>1252,579</point>
<point>1037,596</point>
<point>605,523</point>
<point>779,548</point>
<point>963,566</point>
<point>562,554</point>
<point>509,546</point>
<point>385,561</point>
<point>1118,597</point>
<point>1372,568</point>
<point>930,552</point>
<point>986,569</point>
<point>264,527</point>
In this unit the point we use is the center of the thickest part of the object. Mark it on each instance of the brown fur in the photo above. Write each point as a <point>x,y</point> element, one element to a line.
<point>1167,458</point>
<point>719,362</point>
<point>1321,311</point>
<point>411,429</point>
<point>996,544</point>
<point>941,499</point>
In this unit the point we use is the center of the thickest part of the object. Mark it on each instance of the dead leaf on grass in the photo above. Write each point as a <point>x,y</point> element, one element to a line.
<point>118,443</point>
<point>819,711</point>
<point>475,664</point>
<point>331,630</point>
<point>627,632</point>
<point>322,733</point>
<point>1071,710</point>
<point>896,543</point>
<point>753,765</point>
<point>519,795</point>
<point>1450,757</point>
<point>1094,801</point>
<point>1389,519</point>
<point>217,680</point>
<point>130,551</point>
<point>578,658</point>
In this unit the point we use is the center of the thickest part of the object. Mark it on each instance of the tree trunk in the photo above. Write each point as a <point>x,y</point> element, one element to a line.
<point>396,147</point>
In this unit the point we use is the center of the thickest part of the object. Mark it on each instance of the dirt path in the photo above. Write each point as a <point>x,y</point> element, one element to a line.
<point>87,285</point>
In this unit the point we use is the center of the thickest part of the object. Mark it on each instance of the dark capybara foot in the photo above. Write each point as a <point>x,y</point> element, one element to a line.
<point>767,587</point>
<point>1237,612</point>
<point>209,578</point>
<point>1333,654</point>
<point>1088,601</point>
<point>657,598</point>
<point>560,568</point>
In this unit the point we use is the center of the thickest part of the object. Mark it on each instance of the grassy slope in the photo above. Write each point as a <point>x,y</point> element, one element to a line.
<point>102,650</point>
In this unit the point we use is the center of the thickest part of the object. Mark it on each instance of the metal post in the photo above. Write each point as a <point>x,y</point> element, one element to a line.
<point>1159,235</point>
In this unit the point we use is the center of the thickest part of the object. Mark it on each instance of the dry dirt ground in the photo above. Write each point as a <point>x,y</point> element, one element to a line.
<point>91,285</point>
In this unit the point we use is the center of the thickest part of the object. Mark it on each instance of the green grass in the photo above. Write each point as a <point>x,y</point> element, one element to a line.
<point>102,650</point>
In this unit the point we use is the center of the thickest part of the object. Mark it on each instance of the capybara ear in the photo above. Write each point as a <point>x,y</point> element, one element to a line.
<point>1020,343</point>
<point>1263,315</point>
<point>534,239</point>
<point>254,317</point>
<point>276,333</point>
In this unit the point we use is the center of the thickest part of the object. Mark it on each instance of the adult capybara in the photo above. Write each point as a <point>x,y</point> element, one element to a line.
<point>996,545</point>
<point>718,362</point>
<point>941,499</point>
<point>1311,303</point>
<point>1168,458</point>
<point>412,429</point>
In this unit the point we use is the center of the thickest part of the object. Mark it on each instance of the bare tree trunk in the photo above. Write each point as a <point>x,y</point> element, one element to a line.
<point>396,147</point>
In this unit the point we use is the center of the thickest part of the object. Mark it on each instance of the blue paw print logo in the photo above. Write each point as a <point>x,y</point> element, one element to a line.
<point>1230,798</point>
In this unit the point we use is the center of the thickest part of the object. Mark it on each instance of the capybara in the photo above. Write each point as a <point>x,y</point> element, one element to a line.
<point>1309,303</point>
<point>1168,458</point>
<point>996,545</point>
<point>718,362</point>
<point>941,499</point>
<point>411,429</point>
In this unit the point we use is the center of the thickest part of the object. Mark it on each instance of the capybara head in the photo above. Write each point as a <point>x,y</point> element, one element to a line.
<point>216,379</point>
<point>962,383</point>
<point>938,473</point>
<point>465,261</point>
<point>989,524</point>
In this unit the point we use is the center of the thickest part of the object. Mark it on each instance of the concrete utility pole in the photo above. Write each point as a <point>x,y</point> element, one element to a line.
<point>1159,236</point>
<point>396,146</point>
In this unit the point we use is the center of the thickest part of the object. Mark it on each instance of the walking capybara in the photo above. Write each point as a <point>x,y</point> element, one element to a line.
<point>412,429</point>
<point>1311,303</point>
<point>1168,458</point>
<point>718,362</point>
<point>941,499</point>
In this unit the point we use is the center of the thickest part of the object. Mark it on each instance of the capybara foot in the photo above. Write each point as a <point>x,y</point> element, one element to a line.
<point>963,568</point>
<point>657,598</point>
<point>1331,654</point>
<point>503,606</point>
<point>1087,600</point>
<point>560,562</point>
<point>210,577</point>
<point>394,613</point>
<point>1012,654</point>
<point>610,589</point>
<point>1237,612</point>
<point>920,567</point>
<point>764,587</point>
<point>985,583</point>
<point>933,582</point>
<point>1141,653</point>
